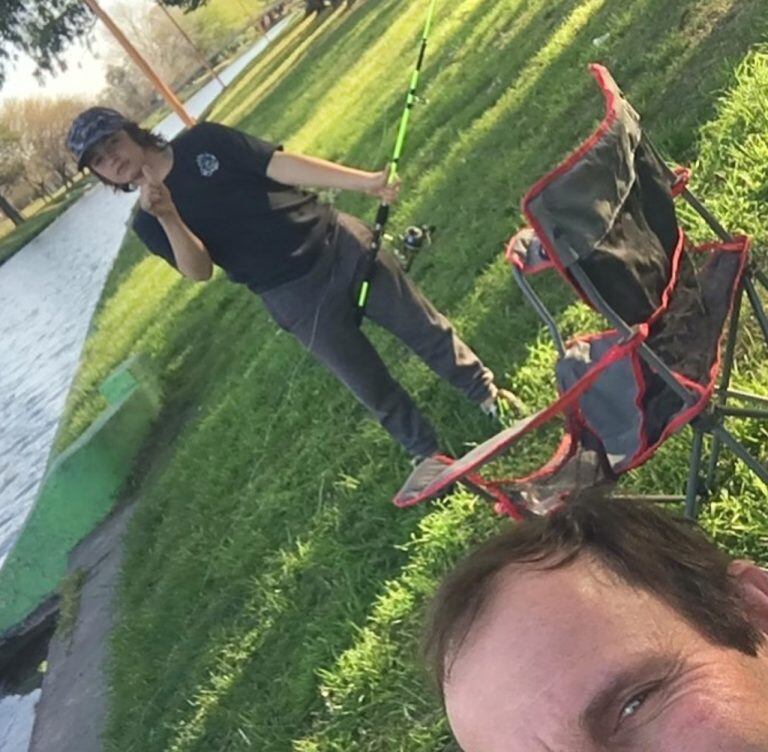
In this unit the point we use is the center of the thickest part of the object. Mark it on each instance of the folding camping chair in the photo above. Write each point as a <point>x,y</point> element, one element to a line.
<point>605,220</point>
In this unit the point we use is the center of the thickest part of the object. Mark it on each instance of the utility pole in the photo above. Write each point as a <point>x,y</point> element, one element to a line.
<point>174,102</point>
<point>202,58</point>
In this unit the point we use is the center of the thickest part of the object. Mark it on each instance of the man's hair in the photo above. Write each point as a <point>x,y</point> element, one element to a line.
<point>643,546</point>
<point>141,136</point>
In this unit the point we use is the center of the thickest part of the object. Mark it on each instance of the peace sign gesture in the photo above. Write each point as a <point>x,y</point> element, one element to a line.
<point>154,196</point>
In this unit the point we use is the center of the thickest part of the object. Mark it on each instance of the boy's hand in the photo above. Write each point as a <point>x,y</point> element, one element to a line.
<point>380,188</point>
<point>154,196</point>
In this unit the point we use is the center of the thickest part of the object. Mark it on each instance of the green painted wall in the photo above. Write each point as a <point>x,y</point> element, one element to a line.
<point>78,491</point>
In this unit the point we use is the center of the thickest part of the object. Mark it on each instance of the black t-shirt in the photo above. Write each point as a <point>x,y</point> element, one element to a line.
<point>261,232</point>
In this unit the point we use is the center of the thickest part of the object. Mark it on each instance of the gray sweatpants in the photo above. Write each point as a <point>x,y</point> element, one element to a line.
<point>319,310</point>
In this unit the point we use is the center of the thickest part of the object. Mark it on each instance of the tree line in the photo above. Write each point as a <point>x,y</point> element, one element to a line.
<point>34,162</point>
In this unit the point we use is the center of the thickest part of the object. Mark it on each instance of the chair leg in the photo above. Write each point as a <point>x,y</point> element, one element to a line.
<point>693,486</point>
<point>712,465</point>
<point>720,435</point>
<point>761,277</point>
<point>757,306</point>
<point>757,467</point>
<point>725,381</point>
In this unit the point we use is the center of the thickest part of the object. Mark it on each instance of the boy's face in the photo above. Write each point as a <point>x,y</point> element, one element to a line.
<point>117,158</point>
<point>573,660</point>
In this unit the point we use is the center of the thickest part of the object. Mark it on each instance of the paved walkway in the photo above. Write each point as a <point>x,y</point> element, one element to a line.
<point>72,710</point>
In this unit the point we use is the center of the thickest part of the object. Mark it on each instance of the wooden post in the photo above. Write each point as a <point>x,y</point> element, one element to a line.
<point>202,58</point>
<point>137,58</point>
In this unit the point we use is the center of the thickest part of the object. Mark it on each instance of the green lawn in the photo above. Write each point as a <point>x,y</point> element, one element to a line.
<point>271,595</point>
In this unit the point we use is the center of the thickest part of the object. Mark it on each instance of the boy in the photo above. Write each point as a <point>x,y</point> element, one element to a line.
<point>216,195</point>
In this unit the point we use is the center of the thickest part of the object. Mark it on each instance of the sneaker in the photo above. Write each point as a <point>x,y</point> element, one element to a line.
<point>504,406</point>
<point>425,470</point>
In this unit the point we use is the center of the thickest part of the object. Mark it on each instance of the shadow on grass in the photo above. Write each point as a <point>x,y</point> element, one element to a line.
<point>266,74</point>
<point>286,95</point>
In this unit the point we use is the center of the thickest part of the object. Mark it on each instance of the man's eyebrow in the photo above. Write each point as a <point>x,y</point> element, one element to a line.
<point>599,717</point>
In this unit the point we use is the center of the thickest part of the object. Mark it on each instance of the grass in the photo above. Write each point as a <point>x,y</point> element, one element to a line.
<point>70,592</point>
<point>14,240</point>
<point>271,595</point>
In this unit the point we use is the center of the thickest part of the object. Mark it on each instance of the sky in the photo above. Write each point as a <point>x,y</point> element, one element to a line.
<point>84,75</point>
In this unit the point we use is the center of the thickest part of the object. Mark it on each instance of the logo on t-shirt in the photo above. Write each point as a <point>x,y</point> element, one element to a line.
<point>207,163</point>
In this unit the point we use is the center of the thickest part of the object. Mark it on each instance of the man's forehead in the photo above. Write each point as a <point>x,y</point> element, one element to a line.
<point>547,644</point>
<point>540,619</point>
<point>582,583</point>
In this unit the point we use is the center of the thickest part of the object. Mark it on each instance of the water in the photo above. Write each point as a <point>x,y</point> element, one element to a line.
<point>48,292</point>
<point>17,716</point>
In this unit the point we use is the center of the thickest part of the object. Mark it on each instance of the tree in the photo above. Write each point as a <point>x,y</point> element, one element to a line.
<point>41,28</point>
<point>127,90</point>
<point>157,39</point>
<point>48,122</point>
<point>11,168</point>
<point>164,48</point>
<point>42,124</point>
<point>186,5</point>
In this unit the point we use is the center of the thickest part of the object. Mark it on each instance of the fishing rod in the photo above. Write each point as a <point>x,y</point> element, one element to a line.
<point>382,215</point>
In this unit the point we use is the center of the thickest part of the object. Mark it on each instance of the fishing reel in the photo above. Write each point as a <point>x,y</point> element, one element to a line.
<point>407,246</point>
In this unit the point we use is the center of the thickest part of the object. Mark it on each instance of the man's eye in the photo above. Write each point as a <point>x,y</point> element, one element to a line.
<point>634,704</point>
